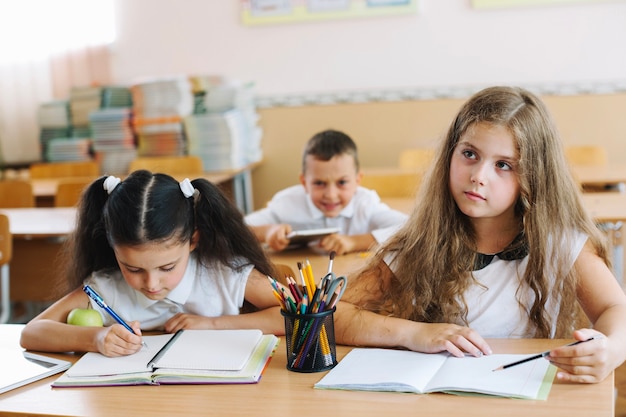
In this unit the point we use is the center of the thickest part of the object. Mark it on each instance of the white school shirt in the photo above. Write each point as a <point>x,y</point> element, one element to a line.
<point>495,309</point>
<point>211,291</point>
<point>365,213</point>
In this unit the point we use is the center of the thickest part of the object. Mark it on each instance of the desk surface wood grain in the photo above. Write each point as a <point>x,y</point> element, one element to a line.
<point>284,393</point>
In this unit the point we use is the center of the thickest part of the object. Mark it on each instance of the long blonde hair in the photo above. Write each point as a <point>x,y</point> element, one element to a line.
<point>435,250</point>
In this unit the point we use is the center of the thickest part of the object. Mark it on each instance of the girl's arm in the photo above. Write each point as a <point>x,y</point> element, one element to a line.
<point>343,244</point>
<point>360,327</point>
<point>604,303</point>
<point>48,332</point>
<point>259,293</point>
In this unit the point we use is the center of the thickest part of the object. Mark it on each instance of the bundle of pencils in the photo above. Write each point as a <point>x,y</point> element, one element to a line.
<point>308,310</point>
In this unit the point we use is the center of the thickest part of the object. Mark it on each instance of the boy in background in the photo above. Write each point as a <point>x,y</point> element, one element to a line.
<point>329,195</point>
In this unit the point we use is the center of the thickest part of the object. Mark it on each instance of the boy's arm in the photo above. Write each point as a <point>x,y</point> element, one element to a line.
<point>260,231</point>
<point>274,235</point>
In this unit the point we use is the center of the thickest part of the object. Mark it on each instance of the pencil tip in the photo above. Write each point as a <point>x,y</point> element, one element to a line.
<point>499,368</point>
<point>332,255</point>
<point>299,265</point>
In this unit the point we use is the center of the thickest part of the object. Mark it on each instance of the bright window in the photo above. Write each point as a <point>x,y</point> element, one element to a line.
<point>34,29</point>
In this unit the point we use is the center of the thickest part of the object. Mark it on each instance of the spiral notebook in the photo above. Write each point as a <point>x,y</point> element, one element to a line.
<point>186,357</point>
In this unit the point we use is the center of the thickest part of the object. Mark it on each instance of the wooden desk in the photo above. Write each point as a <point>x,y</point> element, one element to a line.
<point>284,393</point>
<point>600,175</point>
<point>38,234</point>
<point>237,183</point>
<point>40,222</point>
<point>342,265</point>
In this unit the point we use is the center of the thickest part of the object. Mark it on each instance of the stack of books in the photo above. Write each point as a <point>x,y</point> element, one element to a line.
<point>69,149</point>
<point>159,106</point>
<point>224,131</point>
<point>54,122</point>
<point>113,138</point>
<point>116,96</point>
<point>84,100</point>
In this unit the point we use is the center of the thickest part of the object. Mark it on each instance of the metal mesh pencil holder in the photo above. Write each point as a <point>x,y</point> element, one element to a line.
<point>310,341</point>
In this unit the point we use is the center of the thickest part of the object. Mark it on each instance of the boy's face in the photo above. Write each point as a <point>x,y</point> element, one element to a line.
<point>331,184</point>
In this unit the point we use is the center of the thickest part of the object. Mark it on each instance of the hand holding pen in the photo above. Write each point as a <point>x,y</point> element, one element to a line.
<point>96,297</point>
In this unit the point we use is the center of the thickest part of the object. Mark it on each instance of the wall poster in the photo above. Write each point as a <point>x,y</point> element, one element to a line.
<point>259,12</point>
<point>501,4</point>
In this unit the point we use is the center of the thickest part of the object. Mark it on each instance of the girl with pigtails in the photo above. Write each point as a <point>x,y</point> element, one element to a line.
<point>164,255</point>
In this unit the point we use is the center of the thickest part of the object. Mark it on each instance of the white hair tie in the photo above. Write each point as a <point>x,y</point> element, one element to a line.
<point>110,183</point>
<point>187,188</point>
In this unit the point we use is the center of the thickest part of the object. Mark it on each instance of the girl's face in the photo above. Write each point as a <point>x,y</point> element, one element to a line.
<point>331,184</point>
<point>483,173</point>
<point>154,269</point>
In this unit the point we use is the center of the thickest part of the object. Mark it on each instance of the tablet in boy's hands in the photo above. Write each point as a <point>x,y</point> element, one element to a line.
<point>302,237</point>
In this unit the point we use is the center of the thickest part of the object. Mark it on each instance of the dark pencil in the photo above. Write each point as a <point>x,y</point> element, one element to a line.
<point>537,356</point>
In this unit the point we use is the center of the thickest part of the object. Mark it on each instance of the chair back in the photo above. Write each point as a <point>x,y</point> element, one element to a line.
<point>392,183</point>
<point>16,193</point>
<point>594,155</point>
<point>6,241</point>
<point>6,253</point>
<point>64,169</point>
<point>69,192</point>
<point>416,159</point>
<point>187,164</point>
<point>283,271</point>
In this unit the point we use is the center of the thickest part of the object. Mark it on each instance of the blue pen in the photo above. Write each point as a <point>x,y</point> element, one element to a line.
<point>96,297</point>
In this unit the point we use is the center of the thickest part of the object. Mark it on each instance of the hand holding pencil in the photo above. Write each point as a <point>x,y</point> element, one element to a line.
<point>538,355</point>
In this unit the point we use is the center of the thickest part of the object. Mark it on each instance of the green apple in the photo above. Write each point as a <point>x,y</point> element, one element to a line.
<point>85,317</point>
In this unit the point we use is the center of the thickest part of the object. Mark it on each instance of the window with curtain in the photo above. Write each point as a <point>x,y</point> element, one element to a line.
<point>46,48</point>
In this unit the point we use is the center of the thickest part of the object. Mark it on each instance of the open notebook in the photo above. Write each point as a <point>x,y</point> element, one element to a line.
<point>406,371</point>
<point>187,357</point>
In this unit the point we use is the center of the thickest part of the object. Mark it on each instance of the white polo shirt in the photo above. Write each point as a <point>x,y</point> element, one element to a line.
<point>365,213</point>
<point>213,291</point>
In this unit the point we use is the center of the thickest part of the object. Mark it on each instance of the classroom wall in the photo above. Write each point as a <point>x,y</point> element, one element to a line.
<point>390,82</point>
<point>447,43</point>
<point>383,129</point>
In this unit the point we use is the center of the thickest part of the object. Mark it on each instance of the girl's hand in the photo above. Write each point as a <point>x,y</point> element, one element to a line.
<point>587,362</point>
<point>116,340</point>
<point>188,321</point>
<point>458,340</point>
<point>341,244</point>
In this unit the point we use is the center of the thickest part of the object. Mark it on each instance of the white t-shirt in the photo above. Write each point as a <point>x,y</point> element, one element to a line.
<point>211,292</point>
<point>364,214</point>
<point>495,307</point>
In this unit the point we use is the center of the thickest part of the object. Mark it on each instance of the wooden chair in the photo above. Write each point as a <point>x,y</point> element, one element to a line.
<point>6,252</point>
<point>392,183</point>
<point>587,155</point>
<point>64,169</point>
<point>69,192</point>
<point>188,164</point>
<point>591,156</point>
<point>283,271</point>
<point>416,159</point>
<point>16,193</point>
